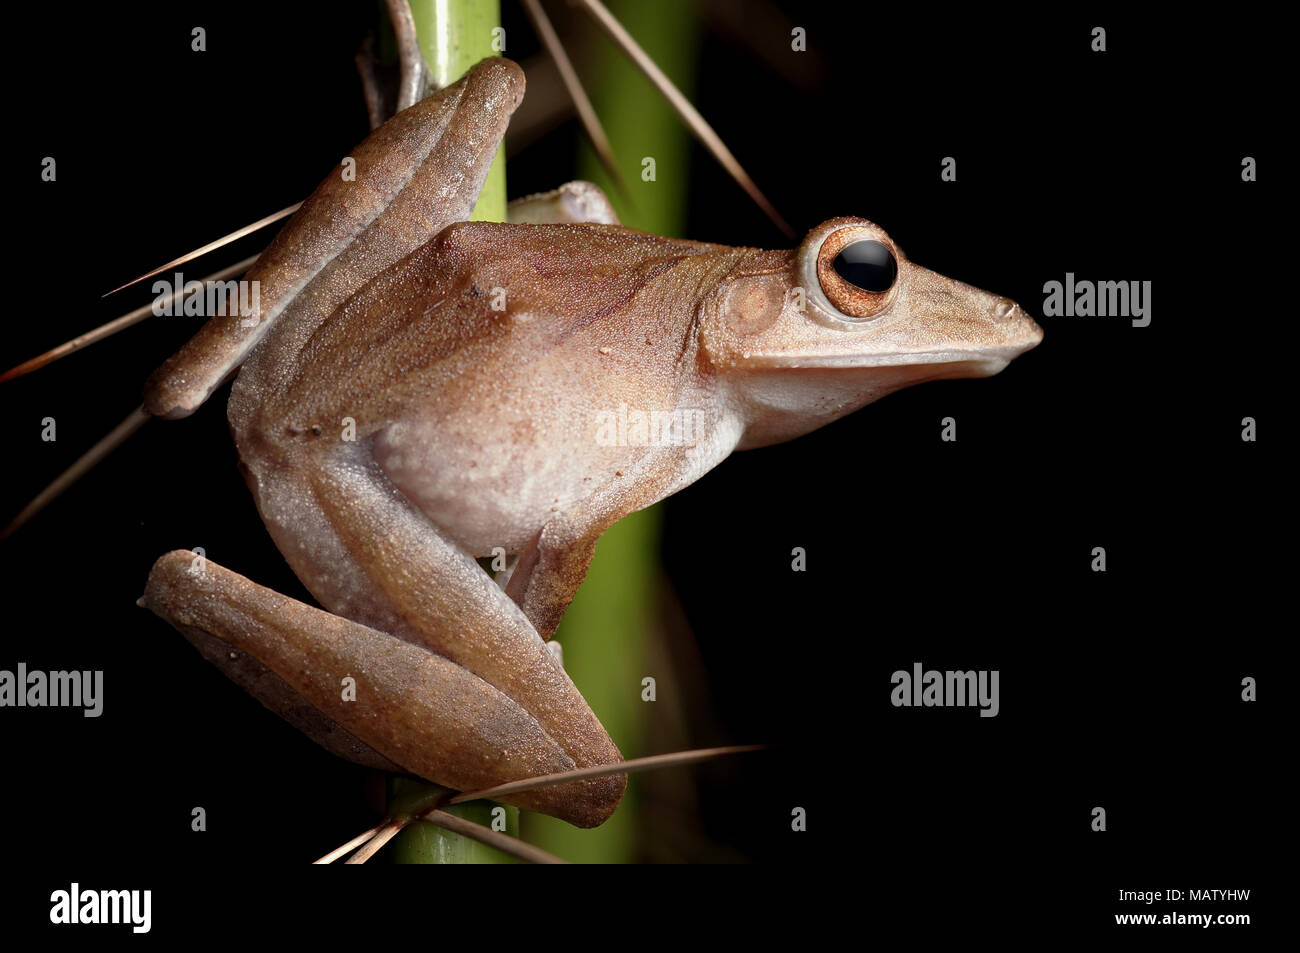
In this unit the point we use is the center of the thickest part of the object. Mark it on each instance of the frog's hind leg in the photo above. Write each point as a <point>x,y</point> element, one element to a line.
<point>375,560</point>
<point>356,690</point>
<point>413,580</point>
<point>400,187</point>
<point>409,179</point>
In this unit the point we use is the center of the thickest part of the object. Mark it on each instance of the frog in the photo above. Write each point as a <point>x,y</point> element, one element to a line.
<point>417,393</point>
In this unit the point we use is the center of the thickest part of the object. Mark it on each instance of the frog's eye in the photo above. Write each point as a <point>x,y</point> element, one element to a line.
<point>868,265</point>
<point>857,272</point>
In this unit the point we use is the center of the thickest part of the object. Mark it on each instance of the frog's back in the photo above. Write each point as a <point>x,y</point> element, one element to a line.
<point>477,294</point>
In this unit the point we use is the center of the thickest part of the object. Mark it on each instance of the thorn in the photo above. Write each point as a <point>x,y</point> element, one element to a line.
<point>485,835</point>
<point>212,246</point>
<point>357,841</point>
<point>99,451</point>
<point>387,831</point>
<point>586,112</point>
<point>605,770</point>
<point>694,121</point>
<point>112,327</point>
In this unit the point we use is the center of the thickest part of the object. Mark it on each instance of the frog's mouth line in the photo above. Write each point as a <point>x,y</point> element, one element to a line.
<point>998,358</point>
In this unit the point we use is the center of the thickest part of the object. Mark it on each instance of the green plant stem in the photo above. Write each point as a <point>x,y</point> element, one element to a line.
<point>608,627</point>
<point>453,36</point>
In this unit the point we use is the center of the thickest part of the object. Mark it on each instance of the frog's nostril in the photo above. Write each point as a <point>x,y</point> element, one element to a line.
<point>1002,308</point>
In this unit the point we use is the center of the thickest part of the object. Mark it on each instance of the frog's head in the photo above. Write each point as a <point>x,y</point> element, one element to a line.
<point>806,337</point>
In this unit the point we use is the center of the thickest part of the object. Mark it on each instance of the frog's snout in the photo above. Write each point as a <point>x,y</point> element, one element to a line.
<point>1021,332</point>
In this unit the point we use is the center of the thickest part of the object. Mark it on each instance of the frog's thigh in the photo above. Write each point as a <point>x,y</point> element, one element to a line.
<point>379,561</point>
<point>427,715</point>
<point>572,203</point>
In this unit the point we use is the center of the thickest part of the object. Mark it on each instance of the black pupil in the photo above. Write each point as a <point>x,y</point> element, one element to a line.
<point>867,264</point>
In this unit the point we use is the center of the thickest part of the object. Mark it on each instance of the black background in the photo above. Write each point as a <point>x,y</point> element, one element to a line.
<point>1119,689</point>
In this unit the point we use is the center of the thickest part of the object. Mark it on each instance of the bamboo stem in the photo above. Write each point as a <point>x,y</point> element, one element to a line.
<point>453,36</point>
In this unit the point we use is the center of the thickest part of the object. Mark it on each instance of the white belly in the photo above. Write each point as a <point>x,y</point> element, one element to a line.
<point>489,482</point>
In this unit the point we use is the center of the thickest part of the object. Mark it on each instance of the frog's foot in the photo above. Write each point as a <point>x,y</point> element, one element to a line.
<point>573,203</point>
<point>372,88</point>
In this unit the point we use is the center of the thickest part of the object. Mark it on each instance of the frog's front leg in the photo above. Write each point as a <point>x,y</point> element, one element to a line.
<point>551,568</point>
